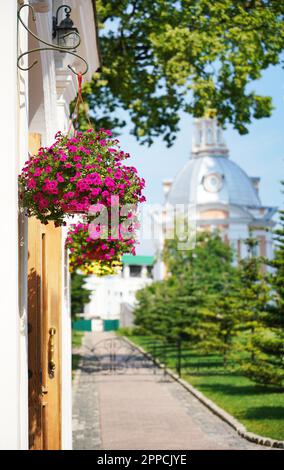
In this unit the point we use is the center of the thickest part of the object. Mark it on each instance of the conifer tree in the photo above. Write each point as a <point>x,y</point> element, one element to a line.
<point>255,296</point>
<point>220,324</point>
<point>145,311</point>
<point>271,343</point>
<point>79,294</point>
<point>173,308</point>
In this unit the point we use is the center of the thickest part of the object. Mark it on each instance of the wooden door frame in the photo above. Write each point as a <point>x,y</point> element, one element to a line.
<point>44,313</point>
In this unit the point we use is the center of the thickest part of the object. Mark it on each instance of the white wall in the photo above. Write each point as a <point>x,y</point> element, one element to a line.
<point>10,429</point>
<point>66,351</point>
<point>109,292</point>
<point>23,112</point>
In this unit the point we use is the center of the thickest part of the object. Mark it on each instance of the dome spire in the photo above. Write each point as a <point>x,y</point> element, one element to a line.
<point>208,139</point>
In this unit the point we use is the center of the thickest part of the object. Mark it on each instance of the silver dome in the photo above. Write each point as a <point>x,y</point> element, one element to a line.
<point>213,179</point>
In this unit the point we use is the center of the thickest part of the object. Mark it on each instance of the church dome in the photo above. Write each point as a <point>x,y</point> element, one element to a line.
<point>213,180</point>
<point>209,176</point>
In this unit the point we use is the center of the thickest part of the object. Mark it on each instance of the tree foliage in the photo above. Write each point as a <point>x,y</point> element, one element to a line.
<point>79,294</point>
<point>161,57</point>
<point>174,308</point>
<point>255,295</point>
<point>220,320</point>
<point>219,307</point>
<point>271,344</point>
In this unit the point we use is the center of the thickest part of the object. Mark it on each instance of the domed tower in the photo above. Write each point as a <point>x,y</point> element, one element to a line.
<point>218,192</point>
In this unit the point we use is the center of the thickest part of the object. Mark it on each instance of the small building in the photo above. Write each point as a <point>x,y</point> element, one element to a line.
<point>113,297</point>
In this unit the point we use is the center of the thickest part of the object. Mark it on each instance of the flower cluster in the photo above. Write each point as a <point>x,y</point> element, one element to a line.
<point>75,173</point>
<point>105,250</point>
<point>97,268</point>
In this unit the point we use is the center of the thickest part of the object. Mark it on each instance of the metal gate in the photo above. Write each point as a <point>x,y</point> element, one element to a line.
<point>116,356</point>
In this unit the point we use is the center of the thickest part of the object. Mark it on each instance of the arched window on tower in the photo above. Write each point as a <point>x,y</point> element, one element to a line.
<point>199,137</point>
<point>219,136</point>
<point>209,136</point>
<point>255,251</point>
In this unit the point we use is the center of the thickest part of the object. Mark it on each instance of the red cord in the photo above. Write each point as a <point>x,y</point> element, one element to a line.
<point>77,105</point>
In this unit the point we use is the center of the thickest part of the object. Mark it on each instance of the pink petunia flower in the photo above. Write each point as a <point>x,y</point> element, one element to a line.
<point>38,171</point>
<point>31,184</point>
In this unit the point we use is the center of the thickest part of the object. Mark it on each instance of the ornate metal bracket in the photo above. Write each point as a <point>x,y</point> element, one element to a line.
<point>51,47</point>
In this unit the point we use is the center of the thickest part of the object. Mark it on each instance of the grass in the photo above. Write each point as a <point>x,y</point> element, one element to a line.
<point>259,408</point>
<point>77,337</point>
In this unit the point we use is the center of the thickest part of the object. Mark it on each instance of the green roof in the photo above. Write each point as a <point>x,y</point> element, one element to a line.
<point>138,260</point>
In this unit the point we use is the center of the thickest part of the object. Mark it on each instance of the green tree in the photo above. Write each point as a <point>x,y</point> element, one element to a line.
<point>79,294</point>
<point>221,319</point>
<point>199,275</point>
<point>157,312</point>
<point>146,311</point>
<point>255,295</point>
<point>271,343</point>
<point>164,57</point>
<point>173,308</point>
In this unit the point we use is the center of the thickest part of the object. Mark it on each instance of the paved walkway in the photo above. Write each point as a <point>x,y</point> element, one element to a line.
<point>121,401</point>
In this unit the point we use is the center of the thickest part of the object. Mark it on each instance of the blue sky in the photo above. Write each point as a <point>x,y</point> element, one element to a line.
<point>259,153</point>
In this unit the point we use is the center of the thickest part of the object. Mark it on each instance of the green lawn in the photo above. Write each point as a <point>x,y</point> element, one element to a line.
<point>259,408</point>
<point>77,337</point>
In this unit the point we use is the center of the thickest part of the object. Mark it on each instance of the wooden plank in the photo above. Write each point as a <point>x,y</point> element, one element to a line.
<point>34,336</point>
<point>44,312</point>
<point>34,321</point>
<point>54,304</point>
<point>34,142</point>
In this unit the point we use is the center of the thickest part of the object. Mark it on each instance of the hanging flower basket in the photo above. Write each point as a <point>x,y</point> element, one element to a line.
<point>76,173</point>
<point>88,251</point>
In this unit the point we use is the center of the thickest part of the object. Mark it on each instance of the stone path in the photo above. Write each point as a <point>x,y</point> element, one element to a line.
<point>121,401</point>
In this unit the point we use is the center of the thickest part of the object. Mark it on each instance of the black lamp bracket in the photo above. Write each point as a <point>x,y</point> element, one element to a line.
<point>67,10</point>
<point>51,47</point>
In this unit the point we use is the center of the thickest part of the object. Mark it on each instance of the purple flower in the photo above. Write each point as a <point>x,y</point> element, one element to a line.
<point>31,184</point>
<point>82,186</point>
<point>48,169</point>
<point>60,178</point>
<point>50,186</point>
<point>109,182</point>
<point>95,192</point>
<point>118,174</point>
<point>38,171</point>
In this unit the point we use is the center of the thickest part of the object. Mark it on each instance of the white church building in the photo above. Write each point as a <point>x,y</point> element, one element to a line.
<point>218,194</point>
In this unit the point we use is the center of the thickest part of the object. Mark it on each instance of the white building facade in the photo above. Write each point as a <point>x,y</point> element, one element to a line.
<point>215,194</point>
<point>113,297</point>
<point>35,106</point>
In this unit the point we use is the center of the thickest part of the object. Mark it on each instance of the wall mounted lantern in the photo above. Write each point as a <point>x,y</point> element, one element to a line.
<point>67,36</point>
<point>65,33</point>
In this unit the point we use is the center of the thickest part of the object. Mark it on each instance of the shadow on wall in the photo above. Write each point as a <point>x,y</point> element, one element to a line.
<point>34,306</point>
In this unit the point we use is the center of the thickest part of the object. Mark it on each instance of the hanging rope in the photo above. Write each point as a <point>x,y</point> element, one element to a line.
<point>75,115</point>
